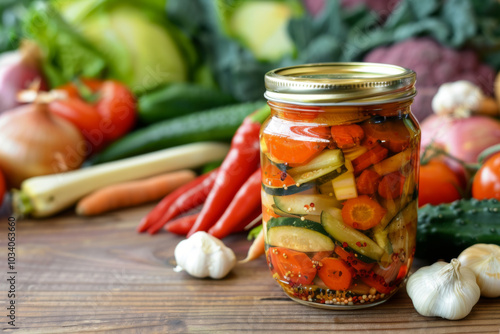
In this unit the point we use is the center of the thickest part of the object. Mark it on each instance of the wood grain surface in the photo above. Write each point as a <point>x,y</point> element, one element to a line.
<point>78,275</point>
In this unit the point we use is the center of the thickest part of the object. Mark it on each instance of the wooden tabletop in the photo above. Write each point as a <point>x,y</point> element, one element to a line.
<point>77,275</point>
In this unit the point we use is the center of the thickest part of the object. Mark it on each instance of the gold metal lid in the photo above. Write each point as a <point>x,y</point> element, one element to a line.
<point>340,83</point>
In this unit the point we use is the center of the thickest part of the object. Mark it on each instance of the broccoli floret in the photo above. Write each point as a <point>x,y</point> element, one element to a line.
<point>434,65</point>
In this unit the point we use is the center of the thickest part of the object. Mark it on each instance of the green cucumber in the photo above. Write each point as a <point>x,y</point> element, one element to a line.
<point>299,235</point>
<point>343,233</point>
<point>289,190</point>
<point>301,204</point>
<point>178,99</point>
<point>445,230</point>
<point>217,124</point>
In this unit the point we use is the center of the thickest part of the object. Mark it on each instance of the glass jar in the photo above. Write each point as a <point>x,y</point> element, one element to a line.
<point>340,161</point>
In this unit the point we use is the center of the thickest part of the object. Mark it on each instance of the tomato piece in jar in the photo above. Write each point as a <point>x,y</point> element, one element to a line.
<point>391,186</point>
<point>390,133</point>
<point>335,273</point>
<point>292,266</point>
<point>347,136</point>
<point>297,151</point>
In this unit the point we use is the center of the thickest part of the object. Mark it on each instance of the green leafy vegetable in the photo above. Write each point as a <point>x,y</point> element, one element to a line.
<point>131,42</point>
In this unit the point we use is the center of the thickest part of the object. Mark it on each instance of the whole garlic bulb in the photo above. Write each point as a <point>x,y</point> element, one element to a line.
<point>443,289</point>
<point>484,260</point>
<point>459,98</point>
<point>203,255</point>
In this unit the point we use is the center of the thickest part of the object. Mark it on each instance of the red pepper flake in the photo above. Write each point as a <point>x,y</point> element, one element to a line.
<point>358,244</point>
<point>311,205</point>
<point>344,244</point>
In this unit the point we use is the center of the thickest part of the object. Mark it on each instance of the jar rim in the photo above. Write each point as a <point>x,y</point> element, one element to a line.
<point>340,84</point>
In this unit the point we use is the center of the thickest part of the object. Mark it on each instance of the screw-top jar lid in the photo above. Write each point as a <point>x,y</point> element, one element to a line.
<point>340,83</point>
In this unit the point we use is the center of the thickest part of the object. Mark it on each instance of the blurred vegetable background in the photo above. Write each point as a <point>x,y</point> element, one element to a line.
<point>104,80</point>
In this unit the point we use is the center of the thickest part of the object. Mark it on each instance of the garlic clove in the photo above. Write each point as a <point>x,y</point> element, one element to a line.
<point>203,255</point>
<point>484,261</point>
<point>447,290</point>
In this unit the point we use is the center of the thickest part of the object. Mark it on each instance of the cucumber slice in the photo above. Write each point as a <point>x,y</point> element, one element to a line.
<point>344,233</point>
<point>325,159</point>
<point>289,190</point>
<point>325,167</point>
<point>313,218</point>
<point>295,234</point>
<point>301,204</point>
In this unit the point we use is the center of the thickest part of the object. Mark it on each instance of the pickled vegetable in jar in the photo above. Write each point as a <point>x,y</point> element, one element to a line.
<point>340,160</point>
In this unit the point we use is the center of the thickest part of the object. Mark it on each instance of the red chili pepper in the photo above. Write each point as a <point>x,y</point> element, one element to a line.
<point>182,225</point>
<point>241,161</point>
<point>243,204</point>
<point>256,212</point>
<point>180,200</point>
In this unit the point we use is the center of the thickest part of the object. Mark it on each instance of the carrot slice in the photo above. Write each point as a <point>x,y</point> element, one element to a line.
<point>367,182</point>
<point>370,157</point>
<point>321,255</point>
<point>362,212</point>
<point>391,186</point>
<point>347,136</point>
<point>292,266</point>
<point>392,134</point>
<point>297,151</point>
<point>378,282</point>
<point>335,273</point>
<point>274,177</point>
<point>361,267</point>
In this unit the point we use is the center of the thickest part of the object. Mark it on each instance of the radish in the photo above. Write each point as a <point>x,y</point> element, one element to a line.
<point>463,138</point>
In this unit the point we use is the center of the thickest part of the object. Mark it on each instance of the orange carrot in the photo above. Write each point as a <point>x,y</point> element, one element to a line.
<point>362,212</point>
<point>370,157</point>
<point>346,136</point>
<point>256,249</point>
<point>367,182</point>
<point>335,273</point>
<point>351,259</point>
<point>127,194</point>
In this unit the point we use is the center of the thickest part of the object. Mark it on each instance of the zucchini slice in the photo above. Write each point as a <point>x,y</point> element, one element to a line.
<point>326,166</point>
<point>289,190</point>
<point>341,232</point>
<point>303,205</point>
<point>313,218</point>
<point>299,235</point>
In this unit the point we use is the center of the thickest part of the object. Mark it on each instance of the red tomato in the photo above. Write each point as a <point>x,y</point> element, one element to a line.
<point>84,116</point>
<point>292,266</point>
<point>117,109</point>
<point>101,121</point>
<point>486,182</point>
<point>437,184</point>
<point>2,188</point>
